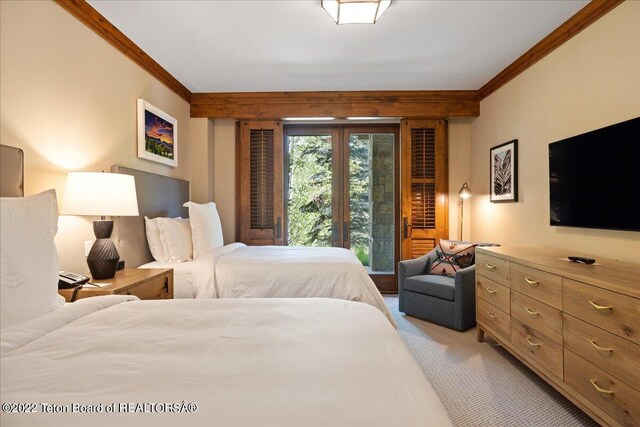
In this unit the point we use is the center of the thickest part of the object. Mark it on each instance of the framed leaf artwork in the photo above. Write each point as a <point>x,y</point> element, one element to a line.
<point>503,166</point>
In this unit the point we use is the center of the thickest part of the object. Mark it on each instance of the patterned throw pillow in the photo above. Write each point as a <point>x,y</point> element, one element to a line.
<point>452,256</point>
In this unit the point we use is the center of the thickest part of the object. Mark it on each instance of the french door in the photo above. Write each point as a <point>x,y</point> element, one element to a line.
<point>341,189</point>
<point>345,186</point>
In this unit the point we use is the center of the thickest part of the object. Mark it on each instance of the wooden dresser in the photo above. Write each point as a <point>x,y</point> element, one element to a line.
<point>575,325</point>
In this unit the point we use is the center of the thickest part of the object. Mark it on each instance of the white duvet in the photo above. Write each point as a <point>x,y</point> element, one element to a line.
<point>242,362</point>
<point>279,271</point>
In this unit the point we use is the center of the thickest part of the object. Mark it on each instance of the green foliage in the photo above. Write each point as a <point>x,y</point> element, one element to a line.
<point>154,146</point>
<point>359,186</point>
<point>309,204</point>
<point>362,252</point>
<point>310,201</point>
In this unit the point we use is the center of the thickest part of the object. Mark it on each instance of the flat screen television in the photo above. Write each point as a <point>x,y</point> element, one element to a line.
<point>594,178</point>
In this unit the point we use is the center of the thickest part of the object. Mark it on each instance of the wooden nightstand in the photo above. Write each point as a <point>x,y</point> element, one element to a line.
<point>145,283</point>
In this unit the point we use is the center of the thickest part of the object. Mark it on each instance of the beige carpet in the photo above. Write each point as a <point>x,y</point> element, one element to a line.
<point>481,384</point>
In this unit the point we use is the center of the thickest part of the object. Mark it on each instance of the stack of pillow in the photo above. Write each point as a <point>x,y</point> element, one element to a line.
<point>185,239</point>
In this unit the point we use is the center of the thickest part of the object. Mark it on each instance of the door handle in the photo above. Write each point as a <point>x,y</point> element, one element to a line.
<point>345,231</point>
<point>278,228</point>
<point>408,228</point>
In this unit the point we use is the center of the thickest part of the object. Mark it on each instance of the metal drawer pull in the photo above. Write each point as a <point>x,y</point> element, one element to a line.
<point>491,291</point>
<point>600,389</point>
<point>531,312</point>
<point>490,267</point>
<point>491,315</point>
<point>531,343</point>
<point>600,307</point>
<point>597,347</point>
<point>532,283</point>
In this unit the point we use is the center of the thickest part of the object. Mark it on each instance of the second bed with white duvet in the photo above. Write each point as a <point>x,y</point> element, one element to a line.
<point>238,270</point>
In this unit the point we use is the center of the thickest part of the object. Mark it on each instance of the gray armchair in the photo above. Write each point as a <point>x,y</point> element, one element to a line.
<point>447,301</point>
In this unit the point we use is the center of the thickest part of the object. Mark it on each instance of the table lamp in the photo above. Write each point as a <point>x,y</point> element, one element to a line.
<point>464,193</point>
<point>101,194</point>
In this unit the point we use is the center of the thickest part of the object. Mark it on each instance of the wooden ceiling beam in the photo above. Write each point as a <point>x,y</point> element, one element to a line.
<point>86,14</point>
<point>277,105</point>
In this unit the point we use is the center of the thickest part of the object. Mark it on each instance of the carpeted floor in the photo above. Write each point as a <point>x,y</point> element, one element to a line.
<point>481,384</point>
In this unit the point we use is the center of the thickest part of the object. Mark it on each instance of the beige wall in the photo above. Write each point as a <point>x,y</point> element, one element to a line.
<point>459,173</point>
<point>202,159</point>
<point>591,81</point>
<point>224,136</point>
<point>68,98</point>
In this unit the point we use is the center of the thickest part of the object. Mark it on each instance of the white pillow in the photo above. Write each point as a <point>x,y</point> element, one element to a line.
<point>28,259</point>
<point>153,239</point>
<point>206,230</point>
<point>175,236</point>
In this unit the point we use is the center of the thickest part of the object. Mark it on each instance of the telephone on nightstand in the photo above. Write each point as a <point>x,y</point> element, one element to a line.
<point>68,280</point>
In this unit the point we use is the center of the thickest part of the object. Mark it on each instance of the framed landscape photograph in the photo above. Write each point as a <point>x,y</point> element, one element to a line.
<point>503,167</point>
<point>157,135</point>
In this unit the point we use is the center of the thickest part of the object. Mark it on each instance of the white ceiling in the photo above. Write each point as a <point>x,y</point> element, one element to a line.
<point>246,46</point>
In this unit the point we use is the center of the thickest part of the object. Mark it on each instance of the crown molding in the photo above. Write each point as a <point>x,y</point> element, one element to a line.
<point>86,14</point>
<point>268,105</point>
<point>578,22</point>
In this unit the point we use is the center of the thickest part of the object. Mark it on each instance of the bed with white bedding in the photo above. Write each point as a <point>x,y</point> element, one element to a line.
<point>238,271</point>
<point>118,361</point>
<point>163,237</point>
<point>243,362</point>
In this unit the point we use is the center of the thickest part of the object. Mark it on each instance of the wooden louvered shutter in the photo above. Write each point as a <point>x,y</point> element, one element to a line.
<point>260,177</point>
<point>424,186</point>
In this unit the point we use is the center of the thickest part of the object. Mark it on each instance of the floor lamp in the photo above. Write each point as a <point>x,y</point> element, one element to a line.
<point>464,193</point>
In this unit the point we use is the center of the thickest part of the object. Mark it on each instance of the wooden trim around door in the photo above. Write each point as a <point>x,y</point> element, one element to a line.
<point>276,105</point>
<point>578,22</point>
<point>86,14</point>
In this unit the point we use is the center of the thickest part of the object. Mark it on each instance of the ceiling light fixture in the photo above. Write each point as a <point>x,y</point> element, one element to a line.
<point>355,11</point>
<point>367,118</point>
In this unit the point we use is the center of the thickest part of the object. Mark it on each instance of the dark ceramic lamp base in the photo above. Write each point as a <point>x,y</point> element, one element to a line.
<point>103,257</point>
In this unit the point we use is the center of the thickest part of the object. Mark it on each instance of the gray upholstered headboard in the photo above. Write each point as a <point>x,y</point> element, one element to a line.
<point>158,195</point>
<point>11,171</point>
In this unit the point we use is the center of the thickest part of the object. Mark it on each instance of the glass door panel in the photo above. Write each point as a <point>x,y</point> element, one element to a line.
<point>342,190</point>
<point>310,200</point>
<point>372,197</point>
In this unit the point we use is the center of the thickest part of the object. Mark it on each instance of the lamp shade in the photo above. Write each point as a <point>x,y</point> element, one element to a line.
<point>100,194</point>
<point>355,11</point>
<point>465,191</point>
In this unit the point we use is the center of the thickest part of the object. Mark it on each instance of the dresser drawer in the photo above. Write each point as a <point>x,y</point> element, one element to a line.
<point>494,293</point>
<point>545,287</point>
<point>614,355</point>
<point>542,351</point>
<point>605,391</point>
<point>493,268</point>
<point>541,317</point>
<point>616,313</point>
<point>156,288</point>
<point>493,318</point>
